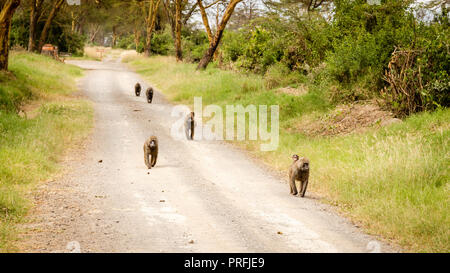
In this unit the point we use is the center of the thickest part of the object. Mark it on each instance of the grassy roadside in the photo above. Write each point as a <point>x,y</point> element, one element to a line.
<point>391,180</point>
<point>32,144</point>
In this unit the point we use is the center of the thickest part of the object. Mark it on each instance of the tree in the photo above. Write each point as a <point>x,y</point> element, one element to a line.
<point>136,11</point>
<point>6,14</point>
<point>177,20</point>
<point>178,51</point>
<point>205,19</point>
<point>150,24</point>
<point>244,14</point>
<point>57,4</point>
<point>36,7</point>
<point>207,57</point>
<point>169,8</point>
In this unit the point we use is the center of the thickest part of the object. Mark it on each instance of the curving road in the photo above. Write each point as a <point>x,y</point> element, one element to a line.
<point>200,197</point>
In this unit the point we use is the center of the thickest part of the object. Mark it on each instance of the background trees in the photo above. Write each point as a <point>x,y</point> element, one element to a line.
<point>353,46</point>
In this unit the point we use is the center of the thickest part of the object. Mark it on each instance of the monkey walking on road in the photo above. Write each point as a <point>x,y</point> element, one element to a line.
<point>189,125</point>
<point>299,170</point>
<point>151,151</point>
<point>137,89</point>
<point>149,94</point>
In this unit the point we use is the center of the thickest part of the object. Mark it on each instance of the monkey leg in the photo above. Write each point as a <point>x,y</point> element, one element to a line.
<point>304,186</point>
<point>146,155</point>
<point>154,157</point>
<point>186,130</point>
<point>192,133</point>
<point>292,185</point>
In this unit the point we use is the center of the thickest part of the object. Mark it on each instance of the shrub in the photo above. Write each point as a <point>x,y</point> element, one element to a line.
<point>194,45</point>
<point>418,77</point>
<point>232,46</point>
<point>260,51</point>
<point>162,42</point>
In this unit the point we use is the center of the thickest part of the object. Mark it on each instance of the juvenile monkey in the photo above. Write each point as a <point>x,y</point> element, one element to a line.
<point>299,170</point>
<point>137,89</point>
<point>189,126</point>
<point>149,94</point>
<point>151,150</point>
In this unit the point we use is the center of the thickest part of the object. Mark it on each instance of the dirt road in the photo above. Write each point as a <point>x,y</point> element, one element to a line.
<point>200,197</point>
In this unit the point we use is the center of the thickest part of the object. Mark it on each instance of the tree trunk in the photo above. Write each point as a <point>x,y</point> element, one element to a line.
<point>36,7</point>
<point>178,52</point>
<point>6,15</point>
<point>93,34</point>
<point>207,57</point>
<point>114,37</point>
<point>57,5</point>
<point>74,22</point>
<point>170,18</point>
<point>149,29</point>
<point>151,19</point>
<point>205,21</point>
<point>188,15</point>
<point>137,37</point>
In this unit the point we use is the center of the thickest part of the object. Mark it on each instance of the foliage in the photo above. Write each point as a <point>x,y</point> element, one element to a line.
<point>194,43</point>
<point>59,34</point>
<point>162,42</point>
<point>354,45</point>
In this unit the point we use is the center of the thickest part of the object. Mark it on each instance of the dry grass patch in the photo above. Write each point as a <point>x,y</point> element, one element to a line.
<point>346,119</point>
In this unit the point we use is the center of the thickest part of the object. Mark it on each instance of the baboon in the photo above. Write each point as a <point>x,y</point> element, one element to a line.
<point>151,149</point>
<point>149,94</point>
<point>189,126</point>
<point>299,170</point>
<point>137,89</point>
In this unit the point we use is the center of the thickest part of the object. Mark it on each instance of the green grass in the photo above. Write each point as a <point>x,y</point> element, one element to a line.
<point>31,147</point>
<point>393,181</point>
<point>34,76</point>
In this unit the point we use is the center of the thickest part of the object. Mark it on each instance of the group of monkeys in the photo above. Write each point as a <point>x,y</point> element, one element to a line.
<point>151,144</point>
<point>298,171</point>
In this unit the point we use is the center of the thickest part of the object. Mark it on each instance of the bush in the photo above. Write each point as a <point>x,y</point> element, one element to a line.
<point>126,42</point>
<point>162,42</point>
<point>260,51</point>
<point>418,77</point>
<point>72,43</point>
<point>356,60</point>
<point>435,64</point>
<point>194,45</point>
<point>308,46</point>
<point>19,32</point>
<point>232,47</point>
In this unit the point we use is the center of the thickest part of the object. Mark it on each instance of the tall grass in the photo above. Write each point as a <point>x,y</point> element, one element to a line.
<point>31,147</point>
<point>393,181</point>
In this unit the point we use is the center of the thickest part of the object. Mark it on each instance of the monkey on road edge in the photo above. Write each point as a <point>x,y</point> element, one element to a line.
<point>137,89</point>
<point>151,150</point>
<point>299,170</point>
<point>149,94</point>
<point>189,125</point>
